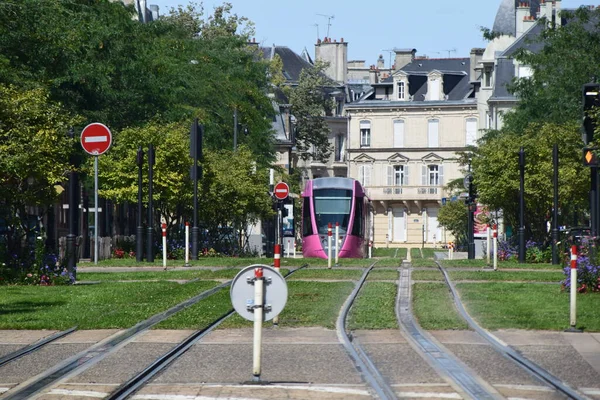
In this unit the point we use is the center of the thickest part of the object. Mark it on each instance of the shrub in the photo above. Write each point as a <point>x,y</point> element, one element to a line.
<point>588,268</point>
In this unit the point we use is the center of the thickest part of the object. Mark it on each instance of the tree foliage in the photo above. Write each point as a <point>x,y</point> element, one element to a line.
<point>453,216</point>
<point>34,151</point>
<point>310,104</point>
<point>497,177</point>
<point>569,58</point>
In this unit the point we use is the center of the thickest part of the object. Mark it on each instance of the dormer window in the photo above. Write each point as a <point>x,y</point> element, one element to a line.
<point>401,91</point>
<point>488,73</point>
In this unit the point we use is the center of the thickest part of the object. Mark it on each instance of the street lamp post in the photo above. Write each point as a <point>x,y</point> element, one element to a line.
<point>149,245</point>
<point>139,237</point>
<point>471,204</point>
<point>73,212</point>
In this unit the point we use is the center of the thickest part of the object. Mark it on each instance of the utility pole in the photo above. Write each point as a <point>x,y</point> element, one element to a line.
<point>555,233</point>
<point>139,237</point>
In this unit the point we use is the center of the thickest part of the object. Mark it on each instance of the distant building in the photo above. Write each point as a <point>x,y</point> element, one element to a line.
<point>145,12</point>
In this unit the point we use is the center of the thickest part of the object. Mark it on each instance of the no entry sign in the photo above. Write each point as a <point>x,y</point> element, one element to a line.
<point>96,139</point>
<point>281,191</point>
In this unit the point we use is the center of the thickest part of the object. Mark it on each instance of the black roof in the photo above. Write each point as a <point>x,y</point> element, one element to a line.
<point>505,72</point>
<point>505,17</point>
<point>293,63</point>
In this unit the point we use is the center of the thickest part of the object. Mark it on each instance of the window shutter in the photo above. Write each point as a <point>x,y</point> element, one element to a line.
<point>406,174</point>
<point>441,174</point>
<point>390,175</point>
<point>433,133</point>
<point>361,174</point>
<point>471,132</point>
<point>424,175</point>
<point>367,175</point>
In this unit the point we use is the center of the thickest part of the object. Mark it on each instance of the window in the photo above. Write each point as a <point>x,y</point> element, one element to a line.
<point>488,73</point>
<point>525,71</point>
<point>365,134</point>
<point>432,175</point>
<point>471,132</point>
<point>307,228</point>
<point>398,133</point>
<point>364,174</point>
<point>339,148</point>
<point>401,91</point>
<point>397,175</point>
<point>357,224</point>
<point>432,133</point>
<point>434,89</point>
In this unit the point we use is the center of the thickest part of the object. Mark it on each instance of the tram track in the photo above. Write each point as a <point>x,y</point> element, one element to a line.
<point>35,346</point>
<point>85,359</point>
<point>529,366</point>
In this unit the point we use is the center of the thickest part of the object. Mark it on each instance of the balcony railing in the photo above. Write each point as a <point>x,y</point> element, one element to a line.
<point>405,192</point>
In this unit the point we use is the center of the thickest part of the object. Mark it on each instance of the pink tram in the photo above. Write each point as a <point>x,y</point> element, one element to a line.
<point>331,200</point>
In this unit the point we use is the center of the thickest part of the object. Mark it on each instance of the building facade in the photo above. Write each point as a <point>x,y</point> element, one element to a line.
<point>403,140</point>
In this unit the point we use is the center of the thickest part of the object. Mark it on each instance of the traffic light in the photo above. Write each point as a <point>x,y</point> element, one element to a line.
<point>591,101</point>
<point>590,158</point>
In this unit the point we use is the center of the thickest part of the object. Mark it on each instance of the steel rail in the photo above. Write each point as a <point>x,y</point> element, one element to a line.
<point>131,386</point>
<point>438,357</point>
<point>508,351</point>
<point>363,364</point>
<point>34,346</point>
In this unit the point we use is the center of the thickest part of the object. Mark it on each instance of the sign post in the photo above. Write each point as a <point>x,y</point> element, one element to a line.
<point>96,139</point>
<point>258,293</point>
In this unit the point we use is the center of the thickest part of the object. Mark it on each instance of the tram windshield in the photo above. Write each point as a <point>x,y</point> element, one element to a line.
<point>331,206</point>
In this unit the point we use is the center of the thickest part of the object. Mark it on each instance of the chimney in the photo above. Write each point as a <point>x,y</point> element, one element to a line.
<point>528,22</point>
<point>373,75</point>
<point>380,62</point>
<point>522,14</point>
<point>476,55</point>
<point>336,54</point>
<point>403,57</point>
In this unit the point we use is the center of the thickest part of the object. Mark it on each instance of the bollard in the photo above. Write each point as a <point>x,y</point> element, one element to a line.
<point>277,256</point>
<point>329,245</point>
<point>187,244</point>
<point>370,249</point>
<point>487,243</point>
<point>277,265</point>
<point>495,240</point>
<point>164,243</point>
<point>337,242</point>
<point>573,287</point>
<point>258,317</point>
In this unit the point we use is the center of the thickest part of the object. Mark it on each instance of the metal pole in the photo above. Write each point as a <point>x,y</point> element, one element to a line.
<point>555,232</point>
<point>139,237</point>
<point>329,245</point>
<point>594,201</point>
<point>471,218</point>
<point>235,129</point>
<point>258,319</point>
<point>196,139</point>
<point>522,206</point>
<point>337,242</point>
<point>149,245</point>
<point>73,202</point>
<point>96,210</point>
<point>487,243</point>
<point>495,247</point>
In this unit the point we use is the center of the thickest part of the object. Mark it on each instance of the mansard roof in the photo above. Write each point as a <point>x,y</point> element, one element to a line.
<point>505,17</point>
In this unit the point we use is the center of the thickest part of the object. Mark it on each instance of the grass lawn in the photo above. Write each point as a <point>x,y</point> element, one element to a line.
<point>375,307</point>
<point>201,314</point>
<point>527,276</point>
<point>102,306</point>
<point>383,274</point>
<point>324,273</point>
<point>203,261</point>
<point>415,253</point>
<point>390,252</point>
<point>423,262</point>
<point>308,304</point>
<point>513,264</point>
<point>477,263</point>
<point>432,275</point>
<point>228,273</point>
<point>525,306</point>
<point>387,262</point>
<point>433,307</point>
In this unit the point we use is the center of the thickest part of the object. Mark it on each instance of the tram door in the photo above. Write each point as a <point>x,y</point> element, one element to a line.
<point>399,224</point>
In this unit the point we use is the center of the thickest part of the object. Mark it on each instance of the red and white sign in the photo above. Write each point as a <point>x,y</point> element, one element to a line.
<point>281,191</point>
<point>96,139</point>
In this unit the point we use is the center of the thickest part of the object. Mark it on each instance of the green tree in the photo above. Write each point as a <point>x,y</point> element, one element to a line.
<point>496,173</point>
<point>453,216</point>
<point>234,192</point>
<point>569,57</point>
<point>34,152</point>
<point>310,104</point>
